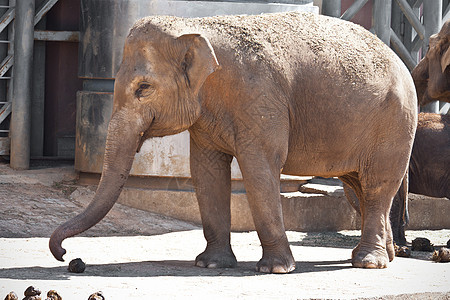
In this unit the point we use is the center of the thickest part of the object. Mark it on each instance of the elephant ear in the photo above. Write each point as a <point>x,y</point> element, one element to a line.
<point>199,60</point>
<point>445,59</point>
<point>420,75</point>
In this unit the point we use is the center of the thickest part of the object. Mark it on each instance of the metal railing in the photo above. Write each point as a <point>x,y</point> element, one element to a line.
<point>7,29</point>
<point>404,25</point>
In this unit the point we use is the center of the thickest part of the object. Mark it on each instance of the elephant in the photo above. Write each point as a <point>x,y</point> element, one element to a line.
<point>292,93</point>
<point>432,75</point>
<point>429,168</point>
<point>428,172</point>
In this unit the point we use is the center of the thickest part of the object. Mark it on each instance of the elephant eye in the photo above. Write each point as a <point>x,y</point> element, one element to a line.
<point>144,86</point>
<point>144,89</point>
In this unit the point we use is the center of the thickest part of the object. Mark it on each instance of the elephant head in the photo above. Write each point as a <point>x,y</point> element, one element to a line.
<point>432,74</point>
<point>155,94</point>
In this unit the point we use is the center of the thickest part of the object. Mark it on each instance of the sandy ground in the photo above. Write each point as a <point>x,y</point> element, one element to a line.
<point>134,254</point>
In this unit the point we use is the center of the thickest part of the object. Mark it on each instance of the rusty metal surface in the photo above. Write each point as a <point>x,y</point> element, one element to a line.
<point>4,145</point>
<point>103,29</point>
<point>62,82</point>
<point>93,114</point>
<point>57,36</point>
<point>105,25</point>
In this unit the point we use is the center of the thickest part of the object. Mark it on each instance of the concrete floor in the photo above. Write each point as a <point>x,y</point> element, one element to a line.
<point>134,254</point>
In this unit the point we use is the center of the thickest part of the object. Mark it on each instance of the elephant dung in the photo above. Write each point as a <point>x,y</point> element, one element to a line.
<point>76,266</point>
<point>422,244</point>
<point>402,251</point>
<point>443,255</point>
<point>53,295</point>
<point>97,296</point>
<point>32,293</point>
<point>11,296</point>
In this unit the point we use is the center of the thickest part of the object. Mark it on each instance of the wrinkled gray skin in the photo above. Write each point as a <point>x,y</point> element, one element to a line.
<point>293,93</point>
<point>429,170</point>
<point>429,167</point>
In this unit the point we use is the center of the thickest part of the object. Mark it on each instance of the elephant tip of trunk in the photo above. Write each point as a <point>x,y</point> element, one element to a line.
<point>56,249</point>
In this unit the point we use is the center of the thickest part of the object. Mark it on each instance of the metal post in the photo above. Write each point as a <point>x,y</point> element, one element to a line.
<point>432,19</point>
<point>23,64</point>
<point>331,8</point>
<point>381,20</point>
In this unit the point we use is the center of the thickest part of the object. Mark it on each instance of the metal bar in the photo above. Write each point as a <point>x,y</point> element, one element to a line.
<point>417,4</point>
<point>353,9</point>
<point>401,51</point>
<point>444,109</point>
<point>43,10</point>
<point>60,36</point>
<point>6,65</point>
<point>331,8</point>
<point>447,10</point>
<point>432,19</point>
<point>416,44</point>
<point>6,19</point>
<point>412,18</point>
<point>21,107</point>
<point>382,19</point>
<point>5,111</point>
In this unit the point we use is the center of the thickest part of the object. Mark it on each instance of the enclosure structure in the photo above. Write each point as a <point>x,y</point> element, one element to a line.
<point>56,98</point>
<point>404,25</point>
<point>28,34</point>
<point>47,125</point>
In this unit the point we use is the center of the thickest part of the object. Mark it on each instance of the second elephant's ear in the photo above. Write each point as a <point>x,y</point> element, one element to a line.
<point>199,60</point>
<point>445,60</point>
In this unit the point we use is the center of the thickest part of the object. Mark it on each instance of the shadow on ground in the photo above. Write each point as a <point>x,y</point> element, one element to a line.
<point>172,268</point>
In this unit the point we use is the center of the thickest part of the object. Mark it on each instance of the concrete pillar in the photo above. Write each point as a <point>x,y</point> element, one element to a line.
<point>382,19</point>
<point>432,20</point>
<point>22,73</point>
<point>331,8</point>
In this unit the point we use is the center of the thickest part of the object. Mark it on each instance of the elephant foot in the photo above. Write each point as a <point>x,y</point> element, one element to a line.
<point>216,259</point>
<point>276,264</point>
<point>370,259</point>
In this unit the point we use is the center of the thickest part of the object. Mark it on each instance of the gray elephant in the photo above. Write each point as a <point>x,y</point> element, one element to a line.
<point>430,161</point>
<point>429,168</point>
<point>432,75</point>
<point>428,173</point>
<point>293,93</point>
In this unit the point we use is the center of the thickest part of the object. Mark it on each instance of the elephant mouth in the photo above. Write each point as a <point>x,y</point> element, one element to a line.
<point>144,135</point>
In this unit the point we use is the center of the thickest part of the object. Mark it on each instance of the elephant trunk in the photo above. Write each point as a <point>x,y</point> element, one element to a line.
<point>124,137</point>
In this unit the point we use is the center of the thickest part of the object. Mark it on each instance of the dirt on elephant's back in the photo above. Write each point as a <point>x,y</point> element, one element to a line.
<point>281,38</point>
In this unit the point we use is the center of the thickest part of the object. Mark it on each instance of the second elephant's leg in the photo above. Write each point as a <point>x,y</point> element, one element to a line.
<point>211,173</point>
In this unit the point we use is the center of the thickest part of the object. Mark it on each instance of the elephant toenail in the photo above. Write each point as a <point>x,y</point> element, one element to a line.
<point>200,264</point>
<point>212,266</point>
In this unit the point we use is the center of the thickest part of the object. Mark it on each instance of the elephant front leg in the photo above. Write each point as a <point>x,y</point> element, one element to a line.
<point>262,183</point>
<point>211,173</point>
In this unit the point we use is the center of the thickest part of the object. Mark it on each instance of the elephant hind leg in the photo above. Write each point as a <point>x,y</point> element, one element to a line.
<point>380,176</point>
<point>363,201</point>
